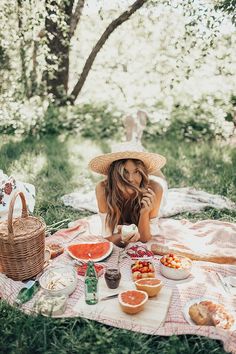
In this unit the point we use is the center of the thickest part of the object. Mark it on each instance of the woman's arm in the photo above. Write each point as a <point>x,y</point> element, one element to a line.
<point>102,207</point>
<point>150,207</point>
<point>117,240</point>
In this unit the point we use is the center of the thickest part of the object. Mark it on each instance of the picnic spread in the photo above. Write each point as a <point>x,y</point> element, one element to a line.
<point>180,282</point>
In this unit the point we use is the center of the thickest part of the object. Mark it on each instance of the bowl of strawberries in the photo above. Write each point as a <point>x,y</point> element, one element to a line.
<point>175,267</point>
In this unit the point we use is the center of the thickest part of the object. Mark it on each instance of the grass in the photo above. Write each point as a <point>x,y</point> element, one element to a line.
<point>58,165</point>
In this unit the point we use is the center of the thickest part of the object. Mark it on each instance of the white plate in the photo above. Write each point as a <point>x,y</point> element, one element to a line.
<point>196,301</point>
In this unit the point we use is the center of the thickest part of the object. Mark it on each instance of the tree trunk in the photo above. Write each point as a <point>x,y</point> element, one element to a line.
<point>76,16</point>
<point>58,37</point>
<point>89,62</point>
<point>24,79</point>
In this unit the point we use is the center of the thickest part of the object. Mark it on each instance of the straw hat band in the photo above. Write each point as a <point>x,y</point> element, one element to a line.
<point>152,161</point>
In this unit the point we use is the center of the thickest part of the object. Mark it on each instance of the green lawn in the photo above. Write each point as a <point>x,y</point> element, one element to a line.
<point>58,165</point>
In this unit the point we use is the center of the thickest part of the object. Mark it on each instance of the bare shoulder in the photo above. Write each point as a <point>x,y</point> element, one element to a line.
<point>100,187</point>
<point>101,196</point>
<point>156,187</point>
<point>158,190</point>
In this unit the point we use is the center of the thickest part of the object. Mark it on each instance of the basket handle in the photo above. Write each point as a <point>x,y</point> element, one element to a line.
<point>24,213</point>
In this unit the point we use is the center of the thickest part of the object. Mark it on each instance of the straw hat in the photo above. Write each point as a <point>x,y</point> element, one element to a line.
<point>127,150</point>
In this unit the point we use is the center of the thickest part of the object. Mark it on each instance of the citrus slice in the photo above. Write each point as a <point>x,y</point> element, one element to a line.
<point>151,286</point>
<point>132,301</point>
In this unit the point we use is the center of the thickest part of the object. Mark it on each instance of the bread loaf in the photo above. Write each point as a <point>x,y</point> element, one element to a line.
<point>208,313</point>
<point>161,250</point>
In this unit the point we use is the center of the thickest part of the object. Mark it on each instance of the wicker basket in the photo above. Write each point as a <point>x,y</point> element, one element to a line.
<point>22,243</point>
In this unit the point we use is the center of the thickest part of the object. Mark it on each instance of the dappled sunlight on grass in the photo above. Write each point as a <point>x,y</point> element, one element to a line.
<point>81,151</point>
<point>58,165</point>
<point>28,166</point>
<point>204,165</point>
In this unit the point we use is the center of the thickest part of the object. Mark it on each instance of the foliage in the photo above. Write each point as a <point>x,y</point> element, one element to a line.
<point>205,119</point>
<point>99,122</point>
<point>22,117</point>
<point>229,6</point>
<point>38,117</point>
<point>177,59</point>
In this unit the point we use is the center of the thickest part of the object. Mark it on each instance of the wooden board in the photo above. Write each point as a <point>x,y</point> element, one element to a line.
<point>152,317</point>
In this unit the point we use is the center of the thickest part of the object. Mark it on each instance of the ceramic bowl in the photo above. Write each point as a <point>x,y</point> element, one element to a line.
<point>59,280</point>
<point>177,273</point>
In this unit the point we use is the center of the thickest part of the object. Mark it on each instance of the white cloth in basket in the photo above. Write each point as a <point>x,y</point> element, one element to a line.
<point>8,187</point>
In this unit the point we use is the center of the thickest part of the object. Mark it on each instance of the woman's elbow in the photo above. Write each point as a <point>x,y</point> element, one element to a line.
<point>145,238</point>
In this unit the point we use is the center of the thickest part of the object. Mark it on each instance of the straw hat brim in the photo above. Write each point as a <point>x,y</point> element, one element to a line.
<point>152,161</point>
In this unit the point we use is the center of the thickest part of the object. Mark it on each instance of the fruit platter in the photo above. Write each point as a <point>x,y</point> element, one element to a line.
<point>142,268</point>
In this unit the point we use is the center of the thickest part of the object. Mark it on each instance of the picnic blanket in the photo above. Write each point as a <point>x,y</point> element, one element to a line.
<point>202,282</point>
<point>177,200</point>
<point>207,240</point>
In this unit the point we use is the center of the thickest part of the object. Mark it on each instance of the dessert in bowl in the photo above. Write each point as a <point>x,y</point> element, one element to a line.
<point>175,267</point>
<point>59,280</point>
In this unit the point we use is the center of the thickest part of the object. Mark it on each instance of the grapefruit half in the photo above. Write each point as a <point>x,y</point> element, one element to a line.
<point>132,301</point>
<point>151,286</point>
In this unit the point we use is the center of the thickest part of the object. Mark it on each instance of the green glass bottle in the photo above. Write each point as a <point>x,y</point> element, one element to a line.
<point>91,285</point>
<point>26,293</point>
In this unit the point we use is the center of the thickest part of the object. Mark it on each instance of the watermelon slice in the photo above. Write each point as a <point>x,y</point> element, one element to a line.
<point>94,251</point>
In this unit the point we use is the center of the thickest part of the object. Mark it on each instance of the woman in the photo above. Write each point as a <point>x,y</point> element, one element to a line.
<point>128,195</point>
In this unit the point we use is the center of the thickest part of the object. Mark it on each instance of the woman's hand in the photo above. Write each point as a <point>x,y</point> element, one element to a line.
<point>133,238</point>
<point>148,201</point>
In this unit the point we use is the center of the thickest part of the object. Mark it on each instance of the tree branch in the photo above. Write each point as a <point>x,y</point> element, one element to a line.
<point>76,16</point>
<point>89,62</point>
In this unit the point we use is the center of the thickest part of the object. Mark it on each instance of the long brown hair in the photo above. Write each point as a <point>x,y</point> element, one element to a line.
<point>117,203</point>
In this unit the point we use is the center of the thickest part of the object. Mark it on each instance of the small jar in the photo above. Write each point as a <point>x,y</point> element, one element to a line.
<point>112,277</point>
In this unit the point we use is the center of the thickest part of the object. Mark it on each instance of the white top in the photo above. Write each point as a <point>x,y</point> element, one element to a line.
<point>154,229</point>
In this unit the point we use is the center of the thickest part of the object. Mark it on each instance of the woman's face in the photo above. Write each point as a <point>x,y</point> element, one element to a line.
<point>132,174</point>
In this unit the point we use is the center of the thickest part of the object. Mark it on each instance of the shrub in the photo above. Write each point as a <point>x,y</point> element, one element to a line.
<point>38,116</point>
<point>202,119</point>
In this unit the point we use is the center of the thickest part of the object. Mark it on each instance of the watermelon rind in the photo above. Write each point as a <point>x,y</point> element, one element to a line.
<point>98,259</point>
